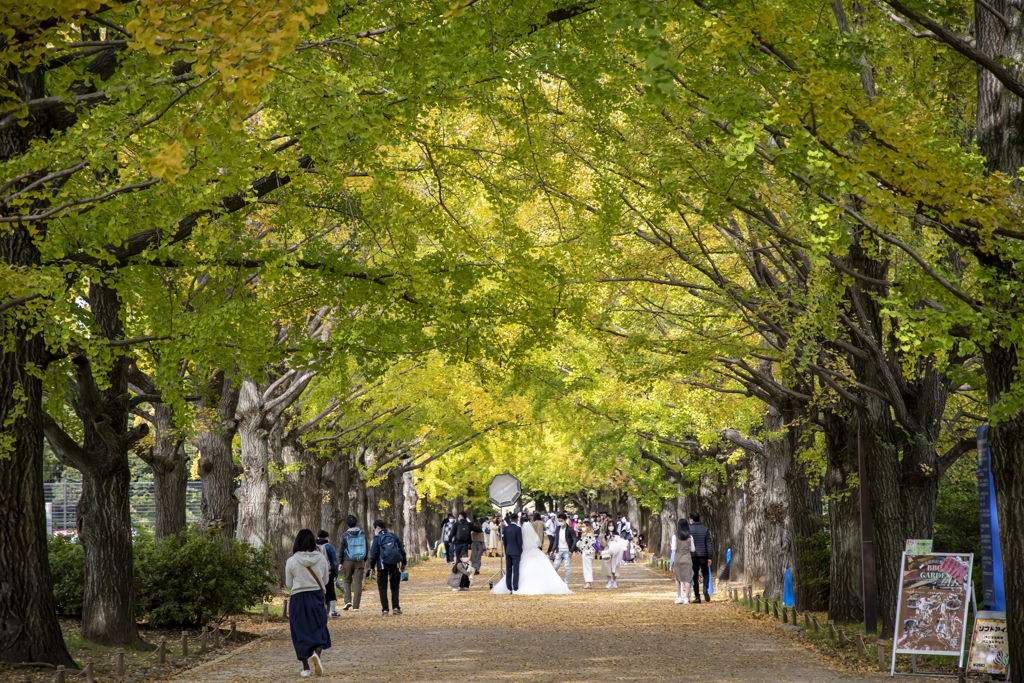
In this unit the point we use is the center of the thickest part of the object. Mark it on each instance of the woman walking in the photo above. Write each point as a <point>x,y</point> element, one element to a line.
<point>586,546</point>
<point>305,575</point>
<point>611,555</point>
<point>682,567</point>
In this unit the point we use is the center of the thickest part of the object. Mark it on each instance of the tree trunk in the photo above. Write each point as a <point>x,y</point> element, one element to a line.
<point>777,546</point>
<point>169,463</point>
<point>633,513</point>
<point>215,431</point>
<point>735,507</point>
<point>29,630</point>
<point>104,514</point>
<point>845,600</point>
<point>254,492</point>
<point>804,514</point>
<point>755,532</point>
<point>668,526</point>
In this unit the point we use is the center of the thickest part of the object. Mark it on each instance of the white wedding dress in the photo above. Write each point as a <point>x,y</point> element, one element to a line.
<point>537,576</point>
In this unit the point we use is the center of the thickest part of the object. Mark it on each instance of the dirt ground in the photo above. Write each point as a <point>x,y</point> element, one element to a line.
<point>635,633</point>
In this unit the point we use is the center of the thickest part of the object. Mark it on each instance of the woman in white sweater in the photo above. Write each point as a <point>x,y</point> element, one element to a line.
<point>305,575</point>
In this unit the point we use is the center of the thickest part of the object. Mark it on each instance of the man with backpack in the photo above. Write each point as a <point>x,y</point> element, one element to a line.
<point>463,535</point>
<point>388,559</point>
<point>447,535</point>
<point>352,551</point>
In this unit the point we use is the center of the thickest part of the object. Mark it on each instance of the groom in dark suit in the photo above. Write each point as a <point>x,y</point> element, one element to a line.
<point>513,551</point>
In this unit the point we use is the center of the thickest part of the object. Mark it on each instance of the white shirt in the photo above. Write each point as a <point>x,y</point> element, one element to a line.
<point>550,527</point>
<point>562,545</point>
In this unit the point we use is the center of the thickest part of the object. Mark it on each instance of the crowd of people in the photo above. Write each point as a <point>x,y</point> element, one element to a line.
<point>317,569</point>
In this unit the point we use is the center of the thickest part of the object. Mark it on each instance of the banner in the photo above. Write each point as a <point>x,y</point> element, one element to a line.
<point>992,595</point>
<point>931,616</point>
<point>989,647</point>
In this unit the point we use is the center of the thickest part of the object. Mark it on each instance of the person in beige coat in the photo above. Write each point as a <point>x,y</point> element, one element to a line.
<point>538,526</point>
<point>461,577</point>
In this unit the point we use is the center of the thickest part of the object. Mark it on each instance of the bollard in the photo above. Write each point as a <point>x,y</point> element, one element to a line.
<point>161,652</point>
<point>807,619</point>
<point>120,663</point>
<point>883,664</point>
<point>216,636</point>
<point>861,651</point>
<point>284,610</point>
<point>88,671</point>
<point>775,607</point>
<point>202,641</point>
<point>758,599</point>
<point>60,674</point>
<point>766,611</point>
<point>843,640</point>
<point>785,615</point>
<point>831,629</point>
<point>817,626</point>
<point>266,612</point>
<point>233,634</point>
<point>184,644</point>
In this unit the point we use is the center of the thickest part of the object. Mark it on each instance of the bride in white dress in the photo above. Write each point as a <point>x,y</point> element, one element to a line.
<point>537,576</point>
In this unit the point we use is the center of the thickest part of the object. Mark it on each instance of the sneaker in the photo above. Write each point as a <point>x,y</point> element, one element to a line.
<point>608,585</point>
<point>679,600</point>
<point>306,673</point>
<point>348,606</point>
<point>476,572</point>
<point>318,667</point>
<point>686,600</point>
<point>335,615</point>
<point>355,609</point>
<point>696,601</point>
<point>455,590</point>
<point>385,613</point>
<point>397,612</point>
<point>615,584</point>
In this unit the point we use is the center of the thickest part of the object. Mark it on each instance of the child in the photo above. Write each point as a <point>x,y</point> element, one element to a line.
<point>461,577</point>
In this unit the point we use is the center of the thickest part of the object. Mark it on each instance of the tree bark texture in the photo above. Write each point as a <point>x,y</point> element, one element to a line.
<point>735,512</point>
<point>777,542</point>
<point>169,463</point>
<point>755,531</point>
<point>29,630</point>
<point>215,431</point>
<point>846,594</point>
<point>668,526</point>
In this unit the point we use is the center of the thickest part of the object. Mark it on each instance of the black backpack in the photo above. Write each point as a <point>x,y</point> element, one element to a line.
<point>390,548</point>
<point>463,531</point>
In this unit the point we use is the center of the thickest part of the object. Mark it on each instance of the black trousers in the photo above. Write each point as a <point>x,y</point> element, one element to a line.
<point>391,573</point>
<point>464,582</point>
<point>700,564</point>
<point>512,572</point>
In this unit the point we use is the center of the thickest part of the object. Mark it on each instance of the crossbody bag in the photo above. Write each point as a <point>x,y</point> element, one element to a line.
<point>317,579</point>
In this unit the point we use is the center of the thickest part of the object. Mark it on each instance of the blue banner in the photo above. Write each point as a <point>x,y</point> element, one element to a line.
<point>991,557</point>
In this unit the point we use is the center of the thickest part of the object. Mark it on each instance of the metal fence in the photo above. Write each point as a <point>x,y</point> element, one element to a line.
<point>62,504</point>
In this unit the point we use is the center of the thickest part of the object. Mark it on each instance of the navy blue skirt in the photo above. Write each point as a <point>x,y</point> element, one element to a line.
<point>308,620</point>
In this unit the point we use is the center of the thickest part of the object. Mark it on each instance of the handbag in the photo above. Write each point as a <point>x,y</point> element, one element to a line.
<point>405,576</point>
<point>606,554</point>
<point>322,591</point>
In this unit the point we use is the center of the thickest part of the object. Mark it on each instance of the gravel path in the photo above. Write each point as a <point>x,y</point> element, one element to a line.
<point>635,633</point>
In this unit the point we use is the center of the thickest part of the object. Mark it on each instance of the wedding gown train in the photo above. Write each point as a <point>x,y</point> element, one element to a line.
<point>537,576</point>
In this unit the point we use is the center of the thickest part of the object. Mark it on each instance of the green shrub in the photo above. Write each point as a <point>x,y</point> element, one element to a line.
<point>67,564</point>
<point>184,580</point>
<point>193,578</point>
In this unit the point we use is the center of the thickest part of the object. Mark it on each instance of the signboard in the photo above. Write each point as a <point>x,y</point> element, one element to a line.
<point>992,595</point>
<point>504,490</point>
<point>990,651</point>
<point>931,615</point>
<point>919,546</point>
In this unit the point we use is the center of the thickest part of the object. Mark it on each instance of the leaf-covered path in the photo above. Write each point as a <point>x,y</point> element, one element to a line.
<point>635,633</point>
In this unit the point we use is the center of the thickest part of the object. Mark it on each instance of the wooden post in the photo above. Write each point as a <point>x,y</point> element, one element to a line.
<point>266,612</point>
<point>817,626</point>
<point>766,611</point>
<point>184,644</point>
<point>88,671</point>
<point>233,635</point>
<point>807,619</point>
<point>785,615</point>
<point>162,652</point>
<point>216,636</point>
<point>775,608</point>
<point>284,610</point>
<point>861,650</point>
<point>120,663</point>
<point>842,637</point>
<point>758,599</point>
<point>202,641</point>
<point>883,661</point>
<point>831,629</point>
<point>60,674</point>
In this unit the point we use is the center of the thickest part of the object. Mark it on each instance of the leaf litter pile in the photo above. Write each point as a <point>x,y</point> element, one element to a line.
<point>635,633</point>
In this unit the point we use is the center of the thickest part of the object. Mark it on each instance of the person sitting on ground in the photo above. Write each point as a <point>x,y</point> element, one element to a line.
<point>461,576</point>
<point>305,574</point>
<point>332,561</point>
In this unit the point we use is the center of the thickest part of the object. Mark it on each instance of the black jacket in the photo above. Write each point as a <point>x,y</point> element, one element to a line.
<point>701,540</point>
<point>570,539</point>
<point>513,538</point>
